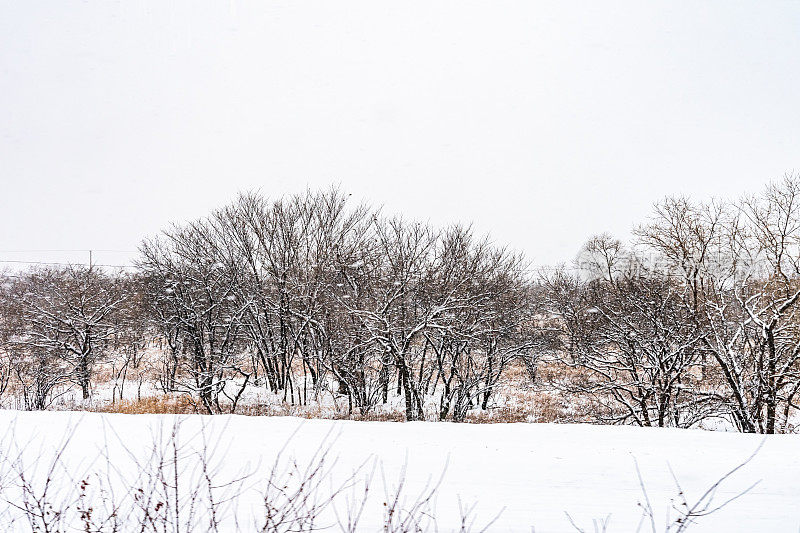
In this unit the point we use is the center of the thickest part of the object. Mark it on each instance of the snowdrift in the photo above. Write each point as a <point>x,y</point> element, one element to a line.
<point>516,476</point>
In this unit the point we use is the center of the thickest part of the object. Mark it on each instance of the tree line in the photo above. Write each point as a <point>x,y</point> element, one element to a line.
<point>693,320</point>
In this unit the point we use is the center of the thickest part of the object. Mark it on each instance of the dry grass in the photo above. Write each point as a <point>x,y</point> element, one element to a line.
<point>166,404</point>
<point>160,405</point>
<point>317,410</point>
<point>517,400</point>
<point>500,415</point>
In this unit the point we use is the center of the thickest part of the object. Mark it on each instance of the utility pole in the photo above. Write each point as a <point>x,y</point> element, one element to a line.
<point>90,259</point>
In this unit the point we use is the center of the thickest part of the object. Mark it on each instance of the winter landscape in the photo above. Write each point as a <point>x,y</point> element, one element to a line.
<point>431,267</point>
<point>313,307</point>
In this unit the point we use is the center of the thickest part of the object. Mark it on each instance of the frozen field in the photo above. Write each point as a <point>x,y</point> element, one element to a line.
<point>533,473</point>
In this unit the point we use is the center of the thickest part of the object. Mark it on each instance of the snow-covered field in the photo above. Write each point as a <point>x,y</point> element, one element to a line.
<point>532,474</point>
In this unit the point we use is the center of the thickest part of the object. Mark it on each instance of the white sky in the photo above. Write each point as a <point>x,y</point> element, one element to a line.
<point>542,122</point>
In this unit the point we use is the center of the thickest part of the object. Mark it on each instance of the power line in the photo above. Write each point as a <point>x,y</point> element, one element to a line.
<point>535,270</point>
<point>68,250</point>
<point>531,270</point>
<point>55,263</point>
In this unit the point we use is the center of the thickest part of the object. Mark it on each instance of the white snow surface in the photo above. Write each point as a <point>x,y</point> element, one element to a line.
<point>533,473</point>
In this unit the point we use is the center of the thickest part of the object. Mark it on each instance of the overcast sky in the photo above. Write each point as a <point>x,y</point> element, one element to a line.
<point>542,122</point>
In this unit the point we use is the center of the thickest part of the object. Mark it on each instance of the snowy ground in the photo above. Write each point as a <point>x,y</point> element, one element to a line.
<point>533,473</point>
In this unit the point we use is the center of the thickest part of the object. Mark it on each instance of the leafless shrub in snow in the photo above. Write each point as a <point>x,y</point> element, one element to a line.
<point>178,486</point>
<point>682,512</point>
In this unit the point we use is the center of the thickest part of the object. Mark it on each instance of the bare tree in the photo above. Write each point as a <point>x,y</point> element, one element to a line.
<point>642,353</point>
<point>66,326</point>
<point>741,263</point>
<point>196,299</point>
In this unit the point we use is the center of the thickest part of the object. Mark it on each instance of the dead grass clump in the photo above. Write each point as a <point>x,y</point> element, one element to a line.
<point>178,405</point>
<point>500,415</point>
<point>551,409</point>
<point>557,372</point>
<point>317,410</point>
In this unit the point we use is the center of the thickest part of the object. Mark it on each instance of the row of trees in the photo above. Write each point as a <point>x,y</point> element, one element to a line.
<point>305,292</point>
<point>302,296</point>
<point>696,318</point>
